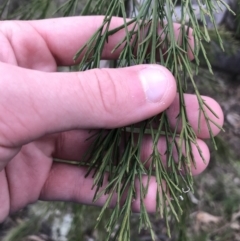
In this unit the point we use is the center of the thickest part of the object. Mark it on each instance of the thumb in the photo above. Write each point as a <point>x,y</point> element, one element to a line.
<point>116,97</point>
<point>38,103</point>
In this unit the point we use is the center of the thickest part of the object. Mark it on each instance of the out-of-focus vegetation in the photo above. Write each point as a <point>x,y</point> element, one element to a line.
<point>211,213</point>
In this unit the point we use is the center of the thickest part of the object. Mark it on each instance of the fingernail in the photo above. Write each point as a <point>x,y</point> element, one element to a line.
<point>154,82</point>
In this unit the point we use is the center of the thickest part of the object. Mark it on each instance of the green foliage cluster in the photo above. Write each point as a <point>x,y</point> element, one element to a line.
<point>150,16</point>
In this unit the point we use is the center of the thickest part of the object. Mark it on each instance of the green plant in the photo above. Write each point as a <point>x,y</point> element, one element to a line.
<point>150,16</point>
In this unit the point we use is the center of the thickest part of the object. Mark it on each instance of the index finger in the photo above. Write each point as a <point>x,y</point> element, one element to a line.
<point>63,37</point>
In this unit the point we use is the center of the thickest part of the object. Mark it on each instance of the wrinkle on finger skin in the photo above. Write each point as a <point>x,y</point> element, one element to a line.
<point>6,154</point>
<point>72,145</point>
<point>27,173</point>
<point>6,51</point>
<point>27,52</point>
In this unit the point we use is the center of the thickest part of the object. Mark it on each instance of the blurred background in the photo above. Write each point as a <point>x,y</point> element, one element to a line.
<point>212,213</point>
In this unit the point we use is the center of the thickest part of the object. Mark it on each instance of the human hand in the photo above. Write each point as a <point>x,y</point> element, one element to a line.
<point>46,115</point>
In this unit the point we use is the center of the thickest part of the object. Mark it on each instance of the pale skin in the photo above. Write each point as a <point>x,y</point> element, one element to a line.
<point>46,115</point>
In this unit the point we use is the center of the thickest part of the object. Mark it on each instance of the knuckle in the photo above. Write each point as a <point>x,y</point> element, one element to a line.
<point>106,90</point>
<point>105,93</point>
<point>7,54</point>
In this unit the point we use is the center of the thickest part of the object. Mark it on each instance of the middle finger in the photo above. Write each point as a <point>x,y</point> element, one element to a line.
<point>72,145</point>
